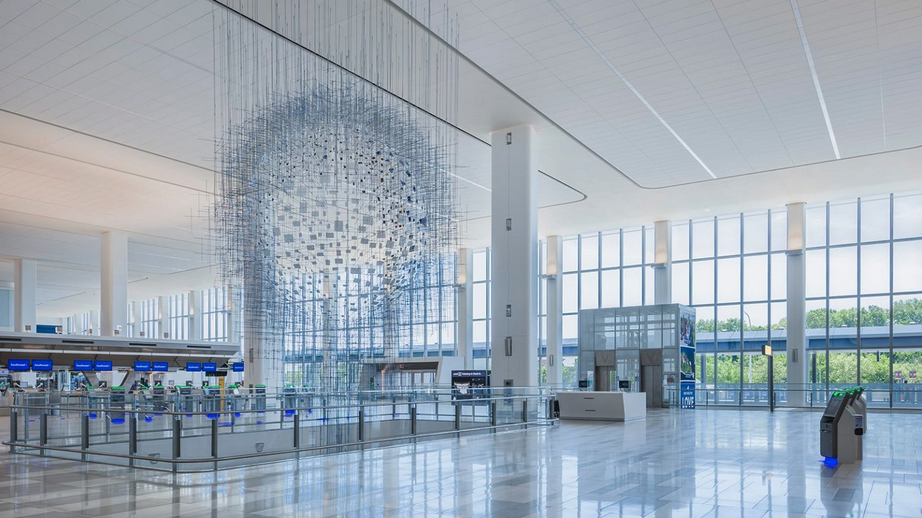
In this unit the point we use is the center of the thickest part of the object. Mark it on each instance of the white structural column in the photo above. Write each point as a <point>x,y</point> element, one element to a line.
<point>197,321</point>
<point>796,306</point>
<point>466,306</point>
<point>164,304</point>
<point>514,240</point>
<point>136,317</point>
<point>554,326</point>
<point>662,263</point>
<point>25,280</point>
<point>113,294</point>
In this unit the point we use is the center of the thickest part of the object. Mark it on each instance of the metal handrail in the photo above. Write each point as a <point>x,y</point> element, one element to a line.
<point>24,446</point>
<point>127,410</point>
<point>31,446</point>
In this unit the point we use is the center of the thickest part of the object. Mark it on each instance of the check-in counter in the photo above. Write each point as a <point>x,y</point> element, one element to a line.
<point>603,406</point>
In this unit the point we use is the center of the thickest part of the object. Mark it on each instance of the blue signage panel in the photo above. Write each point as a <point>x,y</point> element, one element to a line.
<point>161,366</point>
<point>142,366</point>
<point>687,394</point>
<point>193,367</point>
<point>42,365</point>
<point>102,366</point>
<point>83,365</point>
<point>209,367</point>
<point>238,367</point>
<point>17,365</point>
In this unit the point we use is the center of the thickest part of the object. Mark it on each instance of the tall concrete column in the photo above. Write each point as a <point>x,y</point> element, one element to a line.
<point>466,306</point>
<point>136,317</point>
<point>514,242</point>
<point>662,263</point>
<point>25,281</point>
<point>94,323</point>
<point>554,311</point>
<point>234,314</point>
<point>164,304</point>
<point>113,295</point>
<point>196,323</point>
<point>796,305</point>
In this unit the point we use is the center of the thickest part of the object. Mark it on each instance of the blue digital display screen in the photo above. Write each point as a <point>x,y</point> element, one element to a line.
<point>142,366</point>
<point>238,367</point>
<point>161,366</point>
<point>83,365</point>
<point>42,365</point>
<point>17,365</point>
<point>102,366</point>
<point>193,367</point>
<point>209,367</point>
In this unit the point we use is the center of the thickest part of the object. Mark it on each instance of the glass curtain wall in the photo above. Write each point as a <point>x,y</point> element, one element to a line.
<point>481,317</point>
<point>215,315</point>
<point>150,318</point>
<point>733,271</point>
<point>334,316</point>
<point>864,297</point>
<point>180,319</point>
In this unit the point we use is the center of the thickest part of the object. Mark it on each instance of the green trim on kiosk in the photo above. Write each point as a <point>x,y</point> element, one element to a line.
<point>259,385</point>
<point>213,386</point>
<point>117,388</point>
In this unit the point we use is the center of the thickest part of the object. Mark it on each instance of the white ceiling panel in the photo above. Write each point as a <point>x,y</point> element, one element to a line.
<point>667,91</point>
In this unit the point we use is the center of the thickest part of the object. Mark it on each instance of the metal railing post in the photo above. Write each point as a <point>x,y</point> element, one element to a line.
<point>84,436</point>
<point>493,414</point>
<point>458,418</point>
<point>413,420</point>
<point>525,413</point>
<point>43,432</point>
<point>177,441</point>
<point>132,438</point>
<point>296,424</point>
<point>14,429</point>
<point>214,442</point>
<point>361,424</point>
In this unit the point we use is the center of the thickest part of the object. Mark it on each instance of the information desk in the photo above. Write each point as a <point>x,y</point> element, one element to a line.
<point>603,406</point>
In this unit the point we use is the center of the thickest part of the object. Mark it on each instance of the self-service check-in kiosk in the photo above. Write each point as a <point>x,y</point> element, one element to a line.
<point>842,426</point>
<point>158,398</point>
<point>186,401</point>
<point>212,401</point>
<point>116,402</point>
<point>291,400</point>
<point>260,401</point>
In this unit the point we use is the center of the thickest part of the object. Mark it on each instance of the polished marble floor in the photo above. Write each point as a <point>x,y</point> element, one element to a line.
<point>702,463</point>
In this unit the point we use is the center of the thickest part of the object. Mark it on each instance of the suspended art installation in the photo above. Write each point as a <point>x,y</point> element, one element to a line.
<point>334,196</point>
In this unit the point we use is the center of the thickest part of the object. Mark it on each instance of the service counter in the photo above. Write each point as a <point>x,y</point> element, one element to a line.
<point>602,406</point>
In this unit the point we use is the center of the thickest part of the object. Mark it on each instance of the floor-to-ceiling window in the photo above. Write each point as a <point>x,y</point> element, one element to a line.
<point>214,315</point>
<point>339,327</point>
<point>481,316</point>
<point>150,318</point>
<point>864,297</point>
<point>180,316</point>
<point>732,270</point>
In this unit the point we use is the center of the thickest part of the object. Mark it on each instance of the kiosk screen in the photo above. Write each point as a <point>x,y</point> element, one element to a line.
<point>832,406</point>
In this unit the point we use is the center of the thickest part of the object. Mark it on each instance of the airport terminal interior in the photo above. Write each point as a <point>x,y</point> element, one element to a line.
<point>476,258</point>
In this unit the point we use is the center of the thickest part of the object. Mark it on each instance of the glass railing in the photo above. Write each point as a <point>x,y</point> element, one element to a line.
<point>202,432</point>
<point>902,396</point>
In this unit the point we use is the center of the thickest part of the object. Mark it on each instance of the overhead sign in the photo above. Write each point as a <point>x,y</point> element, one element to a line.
<point>210,367</point>
<point>142,366</point>
<point>42,365</point>
<point>161,366</point>
<point>102,366</point>
<point>17,365</point>
<point>193,367</point>
<point>238,367</point>
<point>83,365</point>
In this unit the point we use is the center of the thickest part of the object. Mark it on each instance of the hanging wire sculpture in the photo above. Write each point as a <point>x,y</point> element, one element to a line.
<point>334,196</point>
